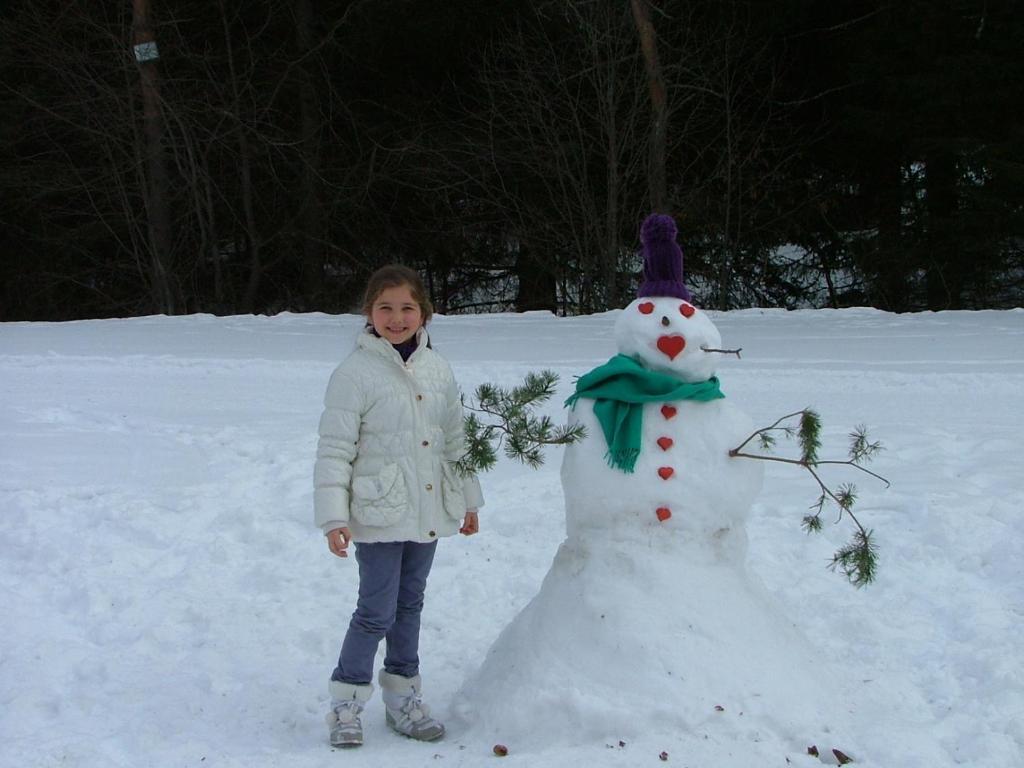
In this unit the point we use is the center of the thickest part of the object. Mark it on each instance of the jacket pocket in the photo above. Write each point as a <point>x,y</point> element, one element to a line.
<point>380,500</point>
<point>453,498</point>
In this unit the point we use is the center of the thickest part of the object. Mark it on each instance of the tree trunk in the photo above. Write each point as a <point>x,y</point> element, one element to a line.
<point>611,213</point>
<point>312,216</point>
<point>252,234</point>
<point>825,263</point>
<point>656,178</point>
<point>253,240</point>
<point>156,191</point>
<point>728,257</point>
<point>944,272</point>
<point>536,283</point>
<point>891,261</point>
<point>214,254</point>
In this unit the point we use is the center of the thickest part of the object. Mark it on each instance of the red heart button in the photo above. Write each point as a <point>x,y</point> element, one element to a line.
<point>687,309</point>
<point>668,411</point>
<point>666,472</point>
<point>671,345</point>
<point>646,308</point>
<point>663,513</point>
<point>665,443</point>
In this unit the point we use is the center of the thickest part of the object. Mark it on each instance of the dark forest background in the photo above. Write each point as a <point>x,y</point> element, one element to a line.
<point>276,151</point>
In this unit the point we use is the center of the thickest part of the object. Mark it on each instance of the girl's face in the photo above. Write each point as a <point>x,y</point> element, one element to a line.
<point>395,315</point>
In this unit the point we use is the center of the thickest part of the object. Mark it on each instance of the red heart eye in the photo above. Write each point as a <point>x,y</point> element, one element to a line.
<point>646,308</point>
<point>687,309</point>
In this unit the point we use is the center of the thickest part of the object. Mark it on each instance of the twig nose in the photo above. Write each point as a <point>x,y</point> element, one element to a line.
<point>664,320</point>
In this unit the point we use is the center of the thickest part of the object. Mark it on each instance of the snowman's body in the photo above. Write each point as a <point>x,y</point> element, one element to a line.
<point>684,484</point>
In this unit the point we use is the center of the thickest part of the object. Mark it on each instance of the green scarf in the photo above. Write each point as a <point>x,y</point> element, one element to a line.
<point>619,389</point>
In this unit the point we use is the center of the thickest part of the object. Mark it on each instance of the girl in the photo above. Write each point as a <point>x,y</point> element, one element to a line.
<point>384,479</point>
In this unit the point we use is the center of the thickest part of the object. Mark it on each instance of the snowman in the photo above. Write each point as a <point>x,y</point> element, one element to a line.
<point>648,620</point>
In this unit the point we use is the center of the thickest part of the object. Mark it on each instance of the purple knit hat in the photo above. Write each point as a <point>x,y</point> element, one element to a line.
<point>663,259</point>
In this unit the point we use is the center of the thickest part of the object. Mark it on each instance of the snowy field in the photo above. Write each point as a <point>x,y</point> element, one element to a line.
<point>167,602</point>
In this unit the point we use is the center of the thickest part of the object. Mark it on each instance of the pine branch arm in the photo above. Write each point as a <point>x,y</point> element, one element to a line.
<point>511,424</point>
<point>857,559</point>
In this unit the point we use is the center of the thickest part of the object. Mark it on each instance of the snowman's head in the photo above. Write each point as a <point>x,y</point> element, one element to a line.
<point>662,328</point>
<point>669,335</point>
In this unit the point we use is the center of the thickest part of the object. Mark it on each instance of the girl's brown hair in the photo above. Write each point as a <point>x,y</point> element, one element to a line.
<point>393,276</point>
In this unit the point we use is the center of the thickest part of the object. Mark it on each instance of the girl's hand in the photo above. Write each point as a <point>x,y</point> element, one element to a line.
<point>338,540</point>
<point>471,524</point>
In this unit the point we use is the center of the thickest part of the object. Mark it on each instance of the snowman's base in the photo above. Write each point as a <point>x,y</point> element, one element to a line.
<point>624,642</point>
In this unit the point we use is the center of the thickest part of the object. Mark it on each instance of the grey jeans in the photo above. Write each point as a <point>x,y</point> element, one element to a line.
<point>392,580</point>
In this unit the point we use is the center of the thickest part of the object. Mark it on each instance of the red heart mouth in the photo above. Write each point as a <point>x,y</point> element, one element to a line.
<point>671,345</point>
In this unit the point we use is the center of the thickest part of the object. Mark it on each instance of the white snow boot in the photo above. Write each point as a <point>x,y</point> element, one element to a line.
<point>347,702</point>
<point>405,711</point>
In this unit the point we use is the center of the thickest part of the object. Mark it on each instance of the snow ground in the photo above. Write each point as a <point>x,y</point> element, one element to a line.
<point>167,601</point>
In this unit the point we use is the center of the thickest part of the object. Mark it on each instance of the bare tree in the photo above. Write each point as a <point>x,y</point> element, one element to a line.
<point>311,210</point>
<point>561,143</point>
<point>738,148</point>
<point>656,175</point>
<point>158,206</point>
<point>104,169</point>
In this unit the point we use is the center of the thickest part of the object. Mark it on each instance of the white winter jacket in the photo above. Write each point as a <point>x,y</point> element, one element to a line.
<point>389,433</point>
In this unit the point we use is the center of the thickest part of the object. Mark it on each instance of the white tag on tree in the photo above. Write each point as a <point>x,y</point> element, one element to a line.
<point>146,51</point>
